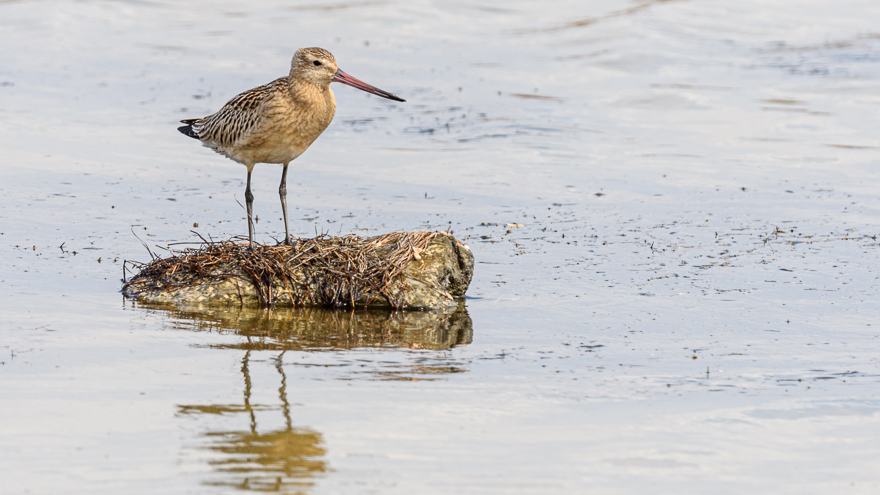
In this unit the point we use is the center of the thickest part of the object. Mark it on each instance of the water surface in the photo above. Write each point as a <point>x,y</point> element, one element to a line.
<point>673,206</point>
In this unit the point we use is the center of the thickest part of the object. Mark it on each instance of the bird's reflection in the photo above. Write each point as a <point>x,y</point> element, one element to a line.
<point>284,460</point>
<point>338,344</point>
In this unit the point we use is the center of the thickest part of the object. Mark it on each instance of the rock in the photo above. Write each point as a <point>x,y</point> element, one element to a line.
<point>417,270</point>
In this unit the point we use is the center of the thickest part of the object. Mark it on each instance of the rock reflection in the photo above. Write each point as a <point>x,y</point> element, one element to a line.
<point>314,329</point>
<point>284,460</point>
<point>326,342</point>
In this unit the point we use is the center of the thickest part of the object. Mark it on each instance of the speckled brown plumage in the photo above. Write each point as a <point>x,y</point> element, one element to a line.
<point>277,122</point>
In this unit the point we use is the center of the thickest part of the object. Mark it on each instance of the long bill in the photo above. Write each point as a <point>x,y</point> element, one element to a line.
<point>344,78</point>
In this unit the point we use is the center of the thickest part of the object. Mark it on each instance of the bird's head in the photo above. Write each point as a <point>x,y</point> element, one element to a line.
<point>318,66</point>
<point>315,65</point>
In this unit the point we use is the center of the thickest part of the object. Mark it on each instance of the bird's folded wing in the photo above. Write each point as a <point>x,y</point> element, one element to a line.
<point>239,116</point>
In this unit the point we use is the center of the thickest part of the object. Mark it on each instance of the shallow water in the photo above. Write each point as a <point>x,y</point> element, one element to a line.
<point>673,206</point>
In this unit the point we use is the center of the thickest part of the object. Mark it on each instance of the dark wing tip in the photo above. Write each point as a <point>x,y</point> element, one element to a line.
<point>188,130</point>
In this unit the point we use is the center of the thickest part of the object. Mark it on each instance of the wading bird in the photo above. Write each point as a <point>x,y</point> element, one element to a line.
<point>276,122</point>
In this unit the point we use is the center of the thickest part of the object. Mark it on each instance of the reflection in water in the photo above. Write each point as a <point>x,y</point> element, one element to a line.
<point>315,329</point>
<point>283,460</point>
<point>287,460</point>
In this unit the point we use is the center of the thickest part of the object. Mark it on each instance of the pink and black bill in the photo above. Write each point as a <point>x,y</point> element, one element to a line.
<point>344,78</point>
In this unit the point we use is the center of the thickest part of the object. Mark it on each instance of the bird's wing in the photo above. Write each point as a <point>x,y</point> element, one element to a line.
<point>238,117</point>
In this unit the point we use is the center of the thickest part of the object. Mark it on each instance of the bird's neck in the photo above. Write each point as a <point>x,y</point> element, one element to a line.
<point>310,95</point>
<point>305,90</point>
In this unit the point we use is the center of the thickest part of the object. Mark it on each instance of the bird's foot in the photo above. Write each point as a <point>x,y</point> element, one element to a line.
<point>287,241</point>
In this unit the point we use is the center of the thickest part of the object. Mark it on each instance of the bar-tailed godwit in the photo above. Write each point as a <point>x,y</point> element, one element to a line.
<point>276,122</point>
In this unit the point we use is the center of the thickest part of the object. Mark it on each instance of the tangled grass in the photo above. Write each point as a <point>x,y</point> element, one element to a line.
<point>323,271</point>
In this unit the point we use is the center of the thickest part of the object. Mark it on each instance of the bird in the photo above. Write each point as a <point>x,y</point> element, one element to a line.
<point>278,121</point>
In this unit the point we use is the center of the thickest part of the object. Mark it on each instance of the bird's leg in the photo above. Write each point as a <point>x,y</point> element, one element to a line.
<point>282,191</point>
<point>249,201</point>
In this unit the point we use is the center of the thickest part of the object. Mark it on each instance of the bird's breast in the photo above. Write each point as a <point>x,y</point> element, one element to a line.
<point>286,130</point>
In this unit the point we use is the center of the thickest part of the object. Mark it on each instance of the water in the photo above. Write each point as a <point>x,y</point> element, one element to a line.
<point>707,322</point>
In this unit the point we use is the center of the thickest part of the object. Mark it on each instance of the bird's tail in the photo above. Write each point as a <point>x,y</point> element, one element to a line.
<point>188,128</point>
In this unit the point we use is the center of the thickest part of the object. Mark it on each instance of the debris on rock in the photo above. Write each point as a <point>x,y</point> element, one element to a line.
<point>417,270</point>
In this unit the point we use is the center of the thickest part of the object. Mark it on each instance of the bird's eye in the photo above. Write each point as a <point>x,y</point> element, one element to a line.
<point>317,63</point>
